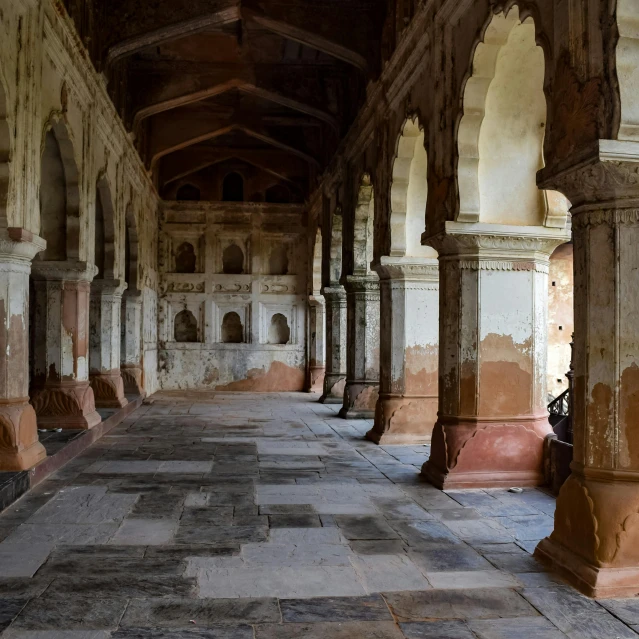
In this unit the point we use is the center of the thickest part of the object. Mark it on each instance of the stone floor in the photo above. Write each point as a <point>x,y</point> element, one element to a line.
<point>237,516</point>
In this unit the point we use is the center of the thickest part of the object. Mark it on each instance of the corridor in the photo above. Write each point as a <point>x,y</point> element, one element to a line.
<point>237,516</point>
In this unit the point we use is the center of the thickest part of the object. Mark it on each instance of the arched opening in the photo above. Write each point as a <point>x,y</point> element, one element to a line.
<point>409,193</point>
<point>501,134</point>
<point>364,226</point>
<point>232,329</point>
<point>131,251</point>
<point>53,201</point>
<point>279,331</point>
<point>278,261</point>
<point>185,258</point>
<point>233,188</point>
<point>59,197</point>
<point>104,231</point>
<point>317,263</point>
<point>627,68</point>
<point>278,194</point>
<point>188,193</point>
<point>185,327</point>
<point>233,260</point>
<point>5,159</point>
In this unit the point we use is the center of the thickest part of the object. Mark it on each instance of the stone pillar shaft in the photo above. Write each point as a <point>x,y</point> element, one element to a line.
<point>19,445</point>
<point>493,346</point>
<point>317,356</point>
<point>335,374</point>
<point>406,411</point>
<point>362,374</point>
<point>60,392</point>
<point>131,349</point>
<point>105,343</point>
<point>595,543</point>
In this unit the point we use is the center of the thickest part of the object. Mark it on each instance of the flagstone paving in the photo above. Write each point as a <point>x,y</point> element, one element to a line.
<point>242,516</point>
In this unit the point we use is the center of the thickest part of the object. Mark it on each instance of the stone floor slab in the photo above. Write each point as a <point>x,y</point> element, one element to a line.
<point>335,609</point>
<point>347,630</point>
<point>145,532</point>
<point>521,628</point>
<point>437,630</point>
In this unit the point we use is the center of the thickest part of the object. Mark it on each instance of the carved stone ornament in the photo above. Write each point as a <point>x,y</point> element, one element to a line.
<point>233,288</point>
<point>606,172</point>
<point>69,271</point>
<point>498,244</point>
<point>408,269</point>
<point>277,287</point>
<point>20,246</point>
<point>356,284</point>
<point>334,294</point>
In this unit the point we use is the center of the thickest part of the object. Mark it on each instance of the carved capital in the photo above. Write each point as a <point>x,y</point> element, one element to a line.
<point>70,271</point>
<point>497,244</point>
<point>409,269</point>
<point>357,284</point>
<point>108,288</point>
<point>607,172</point>
<point>18,248</point>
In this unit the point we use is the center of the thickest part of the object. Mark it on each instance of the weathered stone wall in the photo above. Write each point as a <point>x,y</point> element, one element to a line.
<point>242,289</point>
<point>561,318</point>
<point>46,82</point>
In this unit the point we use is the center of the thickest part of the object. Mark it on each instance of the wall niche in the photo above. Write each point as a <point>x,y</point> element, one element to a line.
<point>233,260</point>
<point>279,331</point>
<point>185,327</point>
<point>278,260</point>
<point>185,258</point>
<point>232,329</point>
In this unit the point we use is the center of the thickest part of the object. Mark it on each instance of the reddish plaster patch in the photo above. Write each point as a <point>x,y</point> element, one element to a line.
<point>367,399</point>
<point>600,418</point>
<point>278,378</point>
<point>18,339</point>
<point>3,344</point>
<point>629,413</point>
<point>505,379</point>
<point>421,370</point>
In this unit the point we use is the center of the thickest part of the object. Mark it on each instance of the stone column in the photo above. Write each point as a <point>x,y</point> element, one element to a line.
<point>406,410</point>
<point>105,343</point>
<point>316,360</point>
<point>19,445</point>
<point>60,390</point>
<point>131,348</point>
<point>335,374</point>
<point>492,360</point>
<point>595,543</point>
<point>362,361</point>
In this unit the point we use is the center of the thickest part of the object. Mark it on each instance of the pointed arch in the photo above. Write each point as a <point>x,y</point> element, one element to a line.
<point>363,227</point>
<point>59,194</point>
<point>131,251</point>
<point>105,257</point>
<point>501,133</point>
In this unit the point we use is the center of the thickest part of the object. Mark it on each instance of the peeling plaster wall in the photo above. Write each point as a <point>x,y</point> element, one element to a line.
<point>561,320</point>
<point>49,82</point>
<point>255,295</point>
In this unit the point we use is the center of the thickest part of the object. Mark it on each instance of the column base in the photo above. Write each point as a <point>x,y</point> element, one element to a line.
<point>66,405</point>
<point>360,399</point>
<point>19,445</point>
<point>108,389</point>
<point>333,389</point>
<point>595,543</point>
<point>404,420</point>
<point>132,377</point>
<point>492,452</point>
<point>315,382</point>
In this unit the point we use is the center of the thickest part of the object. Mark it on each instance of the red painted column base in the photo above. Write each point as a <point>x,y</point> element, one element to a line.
<point>108,389</point>
<point>19,445</point>
<point>477,452</point>
<point>404,419</point>
<point>360,399</point>
<point>67,405</point>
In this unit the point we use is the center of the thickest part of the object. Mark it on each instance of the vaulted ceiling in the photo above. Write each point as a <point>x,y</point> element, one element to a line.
<point>273,83</point>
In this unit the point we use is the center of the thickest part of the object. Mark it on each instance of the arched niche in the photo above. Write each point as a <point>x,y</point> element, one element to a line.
<point>185,258</point>
<point>131,250</point>
<point>5,158</point>
<point>279,331</point>
<point>278,260</point>
<point>363,230</point>
<point>628,67</point>
<point>501,134</point>
<point>232,329</point>
<point>185,327</point>
<point>317,263</point>
<point>233,188</point>
<point>337,230</point>
<point>59,197</point>
<point>188,193</point>
<point>104,231</point>
<point>278,194</point>
<point>409,192</point>
<point>233,260</point>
